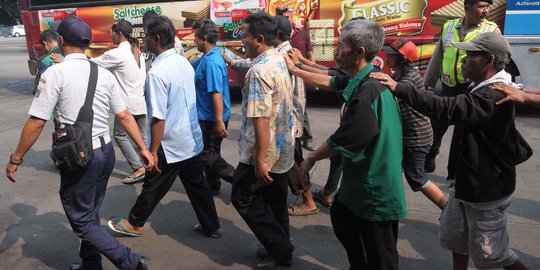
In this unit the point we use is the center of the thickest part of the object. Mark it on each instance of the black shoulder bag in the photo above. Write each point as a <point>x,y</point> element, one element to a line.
<point>72,144</point>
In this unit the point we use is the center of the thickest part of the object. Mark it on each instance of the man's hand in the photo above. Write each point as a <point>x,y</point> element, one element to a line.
<point>261,174</point>
<point>56,58</point>
<point>290,64</point>
<point>512,94</point>
<point>154,167</point>
<point>10,171</point>
<point>221,129</point>
<point>295,55</point>
<point>226,58</point>
<point>307,164</point>
<point>148,159</point>
<point>385,80</point>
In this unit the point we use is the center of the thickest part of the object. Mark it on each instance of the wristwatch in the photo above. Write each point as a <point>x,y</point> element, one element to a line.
<point>13,162</point>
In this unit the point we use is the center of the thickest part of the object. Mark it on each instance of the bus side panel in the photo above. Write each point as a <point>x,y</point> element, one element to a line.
<point>31,27</point>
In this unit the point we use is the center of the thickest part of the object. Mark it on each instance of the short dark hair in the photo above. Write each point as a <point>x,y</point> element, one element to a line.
<point>206,29</point>
<point>148,15</point>
<point>473,2</point>
<point>162,27</point>
<point>262,24</point>
<point>48,35</point>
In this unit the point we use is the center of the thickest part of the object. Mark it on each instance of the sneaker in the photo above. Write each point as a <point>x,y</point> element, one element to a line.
<point>430,165</point>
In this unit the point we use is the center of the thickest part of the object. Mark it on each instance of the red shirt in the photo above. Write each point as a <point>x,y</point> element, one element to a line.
<point>301,41</point>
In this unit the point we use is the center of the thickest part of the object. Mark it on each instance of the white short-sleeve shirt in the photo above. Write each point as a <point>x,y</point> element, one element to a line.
<point>62,89</point>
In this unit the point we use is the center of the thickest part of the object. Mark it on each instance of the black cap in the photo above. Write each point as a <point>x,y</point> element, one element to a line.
<point>284,26</point>
<point>75,31</point>
<point>124,27</point>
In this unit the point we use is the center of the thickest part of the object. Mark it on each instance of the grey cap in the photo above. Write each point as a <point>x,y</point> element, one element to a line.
<point>490,42</point>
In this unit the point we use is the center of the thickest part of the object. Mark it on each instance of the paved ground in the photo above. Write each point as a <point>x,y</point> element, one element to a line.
<point>35,234</point>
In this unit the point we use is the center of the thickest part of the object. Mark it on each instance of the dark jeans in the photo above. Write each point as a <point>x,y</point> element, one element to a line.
<point>215,167</point>
<point>157,185</point>
<point>81,194</point>
<point>263,208</point>
<point>334,175</point>
<point>413,162</point>
<point>370,245</point>
<point>440,127</point>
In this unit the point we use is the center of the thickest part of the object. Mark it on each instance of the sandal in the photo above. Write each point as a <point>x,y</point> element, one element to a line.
<point>122,230</point>
<point>133,179</point>
<point>318,197</point>
<point>297,210</point>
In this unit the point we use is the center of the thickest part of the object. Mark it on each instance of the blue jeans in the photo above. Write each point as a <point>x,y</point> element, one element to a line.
<point>413,166</point>
<point>81,194</point>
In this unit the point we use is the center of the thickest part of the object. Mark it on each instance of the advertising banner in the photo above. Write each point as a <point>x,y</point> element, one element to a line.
<point>522,17</point>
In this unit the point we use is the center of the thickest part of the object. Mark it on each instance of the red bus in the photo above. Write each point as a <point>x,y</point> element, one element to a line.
<point>418,20</point>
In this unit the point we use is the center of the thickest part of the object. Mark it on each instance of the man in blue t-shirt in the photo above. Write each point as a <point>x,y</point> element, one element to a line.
<point>213,103</point>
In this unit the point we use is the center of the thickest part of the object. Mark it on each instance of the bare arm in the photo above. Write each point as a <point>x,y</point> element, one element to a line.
<point>262,141</point>
<point>31,131</point>
<point>318,80</point>
<point>528,96</point>
<point>310,56</point>
<point>324,151</point>
<point>217,99</point>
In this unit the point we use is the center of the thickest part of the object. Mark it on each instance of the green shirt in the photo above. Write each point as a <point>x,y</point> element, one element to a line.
<point>369,139</point>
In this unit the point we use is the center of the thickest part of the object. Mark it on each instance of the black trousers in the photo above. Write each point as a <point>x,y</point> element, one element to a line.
<point>263,208</point>
<point>215,167</point>
<point>334,175</point>
<point>157,185</point>
<point>81,194</point>
<point>370,245</point>
<point>307,136</point>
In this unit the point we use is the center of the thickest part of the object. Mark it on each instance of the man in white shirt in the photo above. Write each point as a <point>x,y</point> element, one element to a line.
<point>62,89</point>
<point>176,139</point>
<point>127,64</point>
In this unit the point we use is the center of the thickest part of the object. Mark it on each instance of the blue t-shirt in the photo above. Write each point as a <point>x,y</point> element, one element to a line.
<point>211,76</point>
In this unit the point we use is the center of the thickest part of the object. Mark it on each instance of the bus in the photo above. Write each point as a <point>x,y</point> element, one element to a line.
<point>418,20</point>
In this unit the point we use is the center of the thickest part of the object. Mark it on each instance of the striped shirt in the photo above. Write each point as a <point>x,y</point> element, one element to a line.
<point>416,126</point>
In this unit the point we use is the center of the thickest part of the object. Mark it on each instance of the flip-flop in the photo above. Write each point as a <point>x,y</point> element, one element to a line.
<point>133,179</point>
<point>320,199</point>
<point>123,230</point>
<point>299,211</point>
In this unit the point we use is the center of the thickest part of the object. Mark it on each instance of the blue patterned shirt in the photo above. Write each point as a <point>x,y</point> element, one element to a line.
<point>267,93</point>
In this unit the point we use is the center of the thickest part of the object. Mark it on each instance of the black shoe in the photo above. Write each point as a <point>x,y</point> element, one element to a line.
<point>216,192</point>
<point>270,262</point>
<point>143,264</point>
<point>261,252</point>
<point>430,165</point>
<point>216,234</point>
<point>308,145</point>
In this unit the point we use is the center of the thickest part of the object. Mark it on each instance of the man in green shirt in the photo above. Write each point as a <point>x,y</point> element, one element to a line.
<point>49,42</point>
<point>371,199</point>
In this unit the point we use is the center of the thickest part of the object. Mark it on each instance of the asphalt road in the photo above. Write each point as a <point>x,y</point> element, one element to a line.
<point>35,234</point>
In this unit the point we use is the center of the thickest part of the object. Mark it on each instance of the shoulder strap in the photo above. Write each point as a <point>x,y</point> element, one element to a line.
<point>86,114</point>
